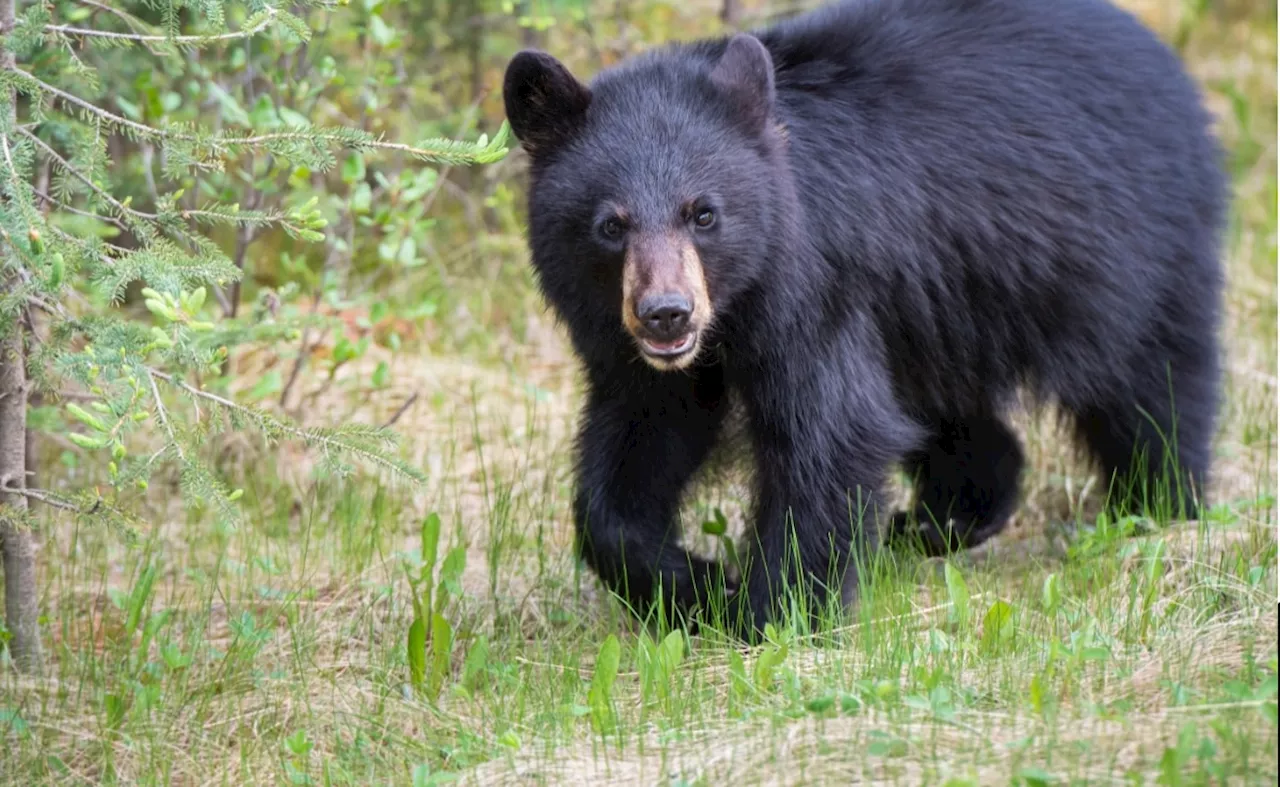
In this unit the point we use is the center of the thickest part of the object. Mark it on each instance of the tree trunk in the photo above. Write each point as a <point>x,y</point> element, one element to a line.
<point>20,608</point>
<point>529,38</point>
<point>474,30</point>
<point>731,12</point>
<point>34,401</point>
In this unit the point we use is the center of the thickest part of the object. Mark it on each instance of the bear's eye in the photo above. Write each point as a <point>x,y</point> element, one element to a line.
<point>704,218</point>
<point>612,228</point>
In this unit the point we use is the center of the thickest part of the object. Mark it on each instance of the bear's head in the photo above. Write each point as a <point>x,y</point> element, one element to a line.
<point>654,194</point>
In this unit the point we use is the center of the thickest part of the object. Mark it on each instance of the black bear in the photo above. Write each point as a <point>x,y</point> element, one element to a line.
<point>872,224</point>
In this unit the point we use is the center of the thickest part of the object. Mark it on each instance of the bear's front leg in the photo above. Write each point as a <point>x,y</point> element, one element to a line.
<point>812,523</point>
<point>825,435</point>
<point>642,439</point>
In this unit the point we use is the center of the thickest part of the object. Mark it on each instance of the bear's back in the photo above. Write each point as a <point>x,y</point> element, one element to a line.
<point>1010,184</point>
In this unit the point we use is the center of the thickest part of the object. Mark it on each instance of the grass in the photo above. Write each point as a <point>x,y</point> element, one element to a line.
<point>1097,653</point>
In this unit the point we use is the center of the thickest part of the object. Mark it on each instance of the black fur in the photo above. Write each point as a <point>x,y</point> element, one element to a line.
<point>924,205</point>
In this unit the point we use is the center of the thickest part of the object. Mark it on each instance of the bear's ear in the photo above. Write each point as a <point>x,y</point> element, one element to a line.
<point>544,102</point>
<point>745,73</point>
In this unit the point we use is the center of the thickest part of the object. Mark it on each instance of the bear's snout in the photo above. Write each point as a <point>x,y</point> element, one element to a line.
<point>665,305</point>
<point>665,317</point>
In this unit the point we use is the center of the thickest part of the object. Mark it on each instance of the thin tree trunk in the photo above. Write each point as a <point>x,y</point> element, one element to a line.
<point>476,30</point>
<point>473,28</point>
<point>34,400</point>
<point>529,38</point>
<point>20,608</point>
<point>731,12</point>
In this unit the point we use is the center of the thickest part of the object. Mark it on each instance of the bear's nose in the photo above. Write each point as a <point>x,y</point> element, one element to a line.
<point>666,316</point>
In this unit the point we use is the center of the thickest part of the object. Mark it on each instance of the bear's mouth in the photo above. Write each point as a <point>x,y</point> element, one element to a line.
<point>671,350</point>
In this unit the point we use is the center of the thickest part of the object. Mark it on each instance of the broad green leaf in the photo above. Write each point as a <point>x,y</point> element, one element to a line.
<point>476,664</point>
<point>430,544</point>
<point>441,652</point>
<point>430,533</point>
<point>821,704</point>
<point>739,684</point>
<point>997,626</point>
<point>1051,595</point>
<point>718,525</point>
<point>672,651</point>
<point>361,198</point>
<point>770,658</point>
<point>599,697</point>
<point>231,109</point>
<point>408,253</point>
<point>353,169</point>
<point>417,652</point>
<point>381,374</point>
<point>958,592</point>
<point>450,574</point>
<point>382,33</point>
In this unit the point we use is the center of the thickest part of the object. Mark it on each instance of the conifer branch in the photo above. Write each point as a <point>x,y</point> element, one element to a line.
<point>124,16</point>
<point>51,309</point>
<point>163,416</point>
<point>436,150</point>
<point>269,15</point>
<point>60,205</point>
<point>14,179</point>
<point>327,440</point>
<point>75,172</point>
<point>141,129</point>
<point>47,498</point>
<point>83,504</point>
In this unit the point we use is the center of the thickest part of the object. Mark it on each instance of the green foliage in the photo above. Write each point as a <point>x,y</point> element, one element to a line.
<point>600,696</point>
<point>657,663</point>
<point>431,635</point>
<point>87,225</point>
<point>998,628</point>
<point>958,593</point>
<point>770,658</point>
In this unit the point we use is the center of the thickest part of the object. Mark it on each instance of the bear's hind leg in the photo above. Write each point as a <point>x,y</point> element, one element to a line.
<point>1153,445</point>
<point>966,485</point>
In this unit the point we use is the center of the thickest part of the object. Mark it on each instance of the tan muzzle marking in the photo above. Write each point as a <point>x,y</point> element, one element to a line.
<point>659,264</point>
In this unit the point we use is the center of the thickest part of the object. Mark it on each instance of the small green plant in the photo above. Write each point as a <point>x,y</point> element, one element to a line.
<point>475,667</point>
<point>770,658</point>
<point>657,663</point>
<point>718,527</point>
<point>958,594</point>
<point>1051,595</point>
<point>424,775</point>
<point>431,635</point>
<point>600,695</point>
<point>741,686</point>
<point>298,748</point>
<point>998,628</point>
